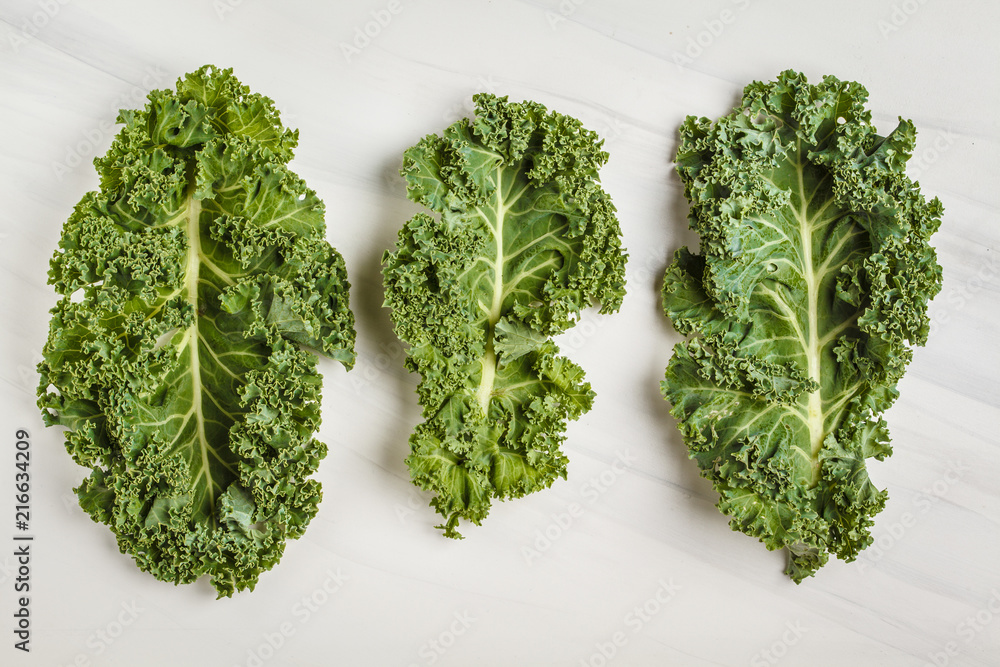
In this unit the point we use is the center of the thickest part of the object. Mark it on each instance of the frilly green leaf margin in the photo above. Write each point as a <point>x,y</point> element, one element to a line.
<point>192,282</point>
<point>811,287</point>
<point>522,240</point>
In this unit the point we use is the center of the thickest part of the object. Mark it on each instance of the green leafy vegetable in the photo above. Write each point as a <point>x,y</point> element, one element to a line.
<point>811,287</point>
<point>191,283</point>
<point>524,239</point>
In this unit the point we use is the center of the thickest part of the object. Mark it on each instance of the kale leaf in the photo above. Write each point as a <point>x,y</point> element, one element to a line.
<point>523,239</point>
<point>192,283</point>
<point>811,287</point>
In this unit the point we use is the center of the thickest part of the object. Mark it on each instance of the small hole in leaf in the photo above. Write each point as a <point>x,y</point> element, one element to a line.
<point>841,120</point>
<point>771,267</point>
<point>164,338</point>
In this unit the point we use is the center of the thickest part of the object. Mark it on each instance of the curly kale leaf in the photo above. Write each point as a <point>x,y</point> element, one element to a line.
<point>524,238</point>
<point>191,283</point>
<point>811,287</point>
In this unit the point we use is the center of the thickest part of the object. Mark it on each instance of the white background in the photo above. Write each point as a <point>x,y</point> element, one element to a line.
<point>645,521</point>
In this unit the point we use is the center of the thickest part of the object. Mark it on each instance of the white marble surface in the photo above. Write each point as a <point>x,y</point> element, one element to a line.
<point>645,522</point>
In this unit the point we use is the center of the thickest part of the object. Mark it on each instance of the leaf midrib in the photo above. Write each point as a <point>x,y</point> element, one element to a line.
<point>488,364</point>
<point>195,257</point>
<point>815,416</point>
